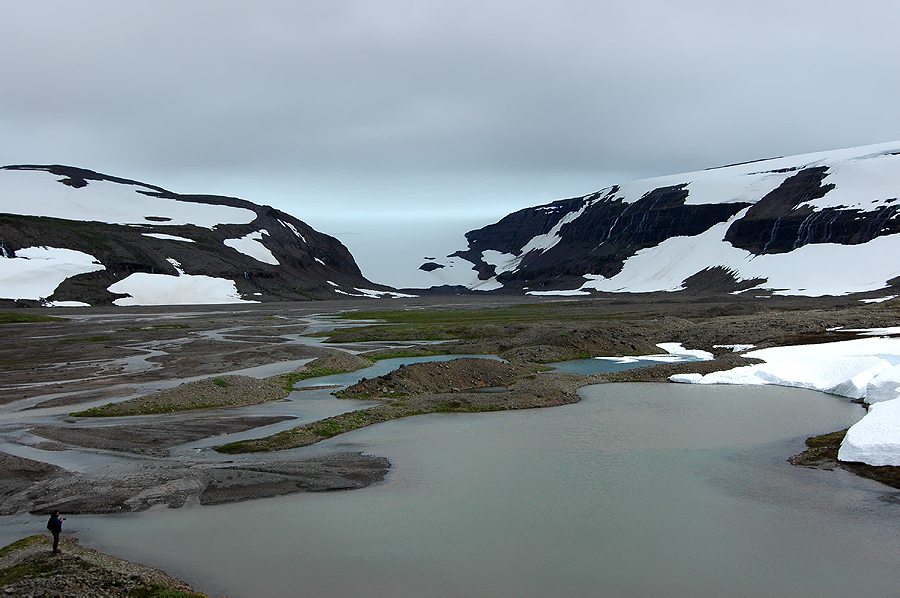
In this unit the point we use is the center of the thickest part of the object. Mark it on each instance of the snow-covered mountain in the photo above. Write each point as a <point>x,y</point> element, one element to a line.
<point>70,236</point>
<point>815,224</point>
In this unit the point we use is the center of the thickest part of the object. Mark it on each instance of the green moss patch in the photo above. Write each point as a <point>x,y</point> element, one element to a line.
<point>17,318</point>
<point>822,453</point>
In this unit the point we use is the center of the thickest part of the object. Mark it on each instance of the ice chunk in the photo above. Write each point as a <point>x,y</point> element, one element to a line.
<point>678,349</point>
<point>875,439</point>
<point>841,368</point>
<point>885,386</point>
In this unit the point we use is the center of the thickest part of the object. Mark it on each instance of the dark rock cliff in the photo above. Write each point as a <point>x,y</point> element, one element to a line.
<point>599,240</point>
<point>557,244</point>
<point>783,220</point>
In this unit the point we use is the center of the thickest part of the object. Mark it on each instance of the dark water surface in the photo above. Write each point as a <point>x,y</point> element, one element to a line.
<point>639,490</point>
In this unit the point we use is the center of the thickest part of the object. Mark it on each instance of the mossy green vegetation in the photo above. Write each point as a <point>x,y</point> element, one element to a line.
<point>406,353</point>
<point>317,431</point>
<point>17,318</point>
<point>455,324</point>
<point>32,567</point>
<point>822,452</point>
<point>19,544</point>
<point>119,410</point>
<point>533,312</point>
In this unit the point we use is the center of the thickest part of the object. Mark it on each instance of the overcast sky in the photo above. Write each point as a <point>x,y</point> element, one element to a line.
<point>349,113</point>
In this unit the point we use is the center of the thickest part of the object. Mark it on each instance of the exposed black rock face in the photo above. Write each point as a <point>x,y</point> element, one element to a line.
<point>606,233</point>
<point>430,266</point>
<point>556,246</point>
<point>783,220</point>
<point>309,261</point>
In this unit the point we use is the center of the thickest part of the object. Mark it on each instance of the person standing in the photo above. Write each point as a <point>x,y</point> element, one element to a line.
<point>55,527</point>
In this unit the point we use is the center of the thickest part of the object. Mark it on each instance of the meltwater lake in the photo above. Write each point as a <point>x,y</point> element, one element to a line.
<point>638,490</point>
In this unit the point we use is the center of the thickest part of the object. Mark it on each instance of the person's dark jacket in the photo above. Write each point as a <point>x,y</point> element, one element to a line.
<point>55,524</point>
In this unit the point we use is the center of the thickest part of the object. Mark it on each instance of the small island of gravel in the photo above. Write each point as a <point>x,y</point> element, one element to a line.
<point>458,385</point>
<point>217,391</point>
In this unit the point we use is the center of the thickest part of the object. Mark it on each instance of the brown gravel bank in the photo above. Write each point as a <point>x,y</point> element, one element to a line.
<point>17,475</point>
<point>172,483</point>
<point>219,391</point>
<point>150,438</point>
<point>28,567</point>
<point>455,386</point>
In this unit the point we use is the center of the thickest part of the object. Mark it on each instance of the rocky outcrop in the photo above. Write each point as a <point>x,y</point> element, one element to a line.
<point>785,220</point>
<point>605,233</point>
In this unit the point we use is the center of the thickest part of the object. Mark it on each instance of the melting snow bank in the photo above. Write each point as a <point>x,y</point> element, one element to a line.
<point>185,289</point>
<point>674,352</point>
<point>35,272</point>
<point>865,368</point>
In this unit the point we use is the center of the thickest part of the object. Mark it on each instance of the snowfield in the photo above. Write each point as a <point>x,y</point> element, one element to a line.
<point>251,245</point>
<point>35,272</point>
<point>184,289</point>
<point>39,193</point>
<point>863,368</point>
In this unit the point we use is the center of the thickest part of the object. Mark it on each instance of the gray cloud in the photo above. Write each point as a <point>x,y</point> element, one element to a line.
<point>395,102</point>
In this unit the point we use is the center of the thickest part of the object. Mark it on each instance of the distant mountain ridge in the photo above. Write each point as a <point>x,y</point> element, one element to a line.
<point>815,224</point>
<point>71,236</point>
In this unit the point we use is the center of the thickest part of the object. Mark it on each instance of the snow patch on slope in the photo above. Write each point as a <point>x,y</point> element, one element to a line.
<point>251,245</point>
<point>35,272</point>
<point>811,270</point>
<point>39,193</point>
<point>751,181</point>
<point>184,289</point>
<point>166,237</point>
<point>293,229</point>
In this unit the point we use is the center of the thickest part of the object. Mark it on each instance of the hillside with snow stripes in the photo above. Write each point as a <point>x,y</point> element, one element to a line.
<point>70,236</point>
<point>816,224</point>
